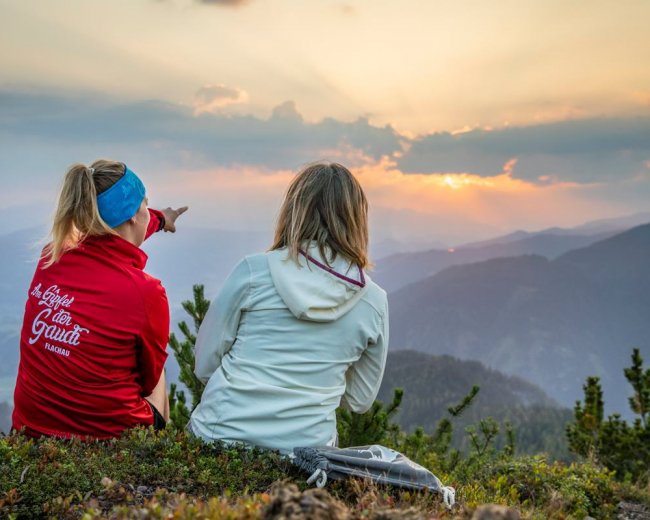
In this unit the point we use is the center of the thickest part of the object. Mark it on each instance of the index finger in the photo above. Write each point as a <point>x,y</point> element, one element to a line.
<point>182,210</point>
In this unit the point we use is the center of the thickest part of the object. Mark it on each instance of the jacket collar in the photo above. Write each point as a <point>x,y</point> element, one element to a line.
<point>117,249</point>
<point>360,283</point>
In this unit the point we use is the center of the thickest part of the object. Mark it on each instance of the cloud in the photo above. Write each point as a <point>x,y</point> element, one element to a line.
<point>582,151</point>
<point>211,98</point>
<point>287,111</point>
<point>236,167</point>
<point>164,133</point>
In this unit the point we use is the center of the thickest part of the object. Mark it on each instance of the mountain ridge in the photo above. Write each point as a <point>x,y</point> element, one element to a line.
<point>401,269</point>
<point>557,321</point>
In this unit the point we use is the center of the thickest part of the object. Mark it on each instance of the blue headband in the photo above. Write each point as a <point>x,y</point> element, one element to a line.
<point>122,200</point>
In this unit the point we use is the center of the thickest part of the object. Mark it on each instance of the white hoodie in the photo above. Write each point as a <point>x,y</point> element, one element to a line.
<point>283,345</point>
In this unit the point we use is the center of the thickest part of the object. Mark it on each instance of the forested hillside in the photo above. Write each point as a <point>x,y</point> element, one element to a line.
<point>434,383</point>
<point>551,322</point>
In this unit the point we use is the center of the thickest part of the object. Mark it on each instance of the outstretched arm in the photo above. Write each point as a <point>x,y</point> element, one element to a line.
<point>163,220</point>
<point>171,215</point>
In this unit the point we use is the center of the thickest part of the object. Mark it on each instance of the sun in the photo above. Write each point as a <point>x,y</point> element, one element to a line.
<point>453,182</point>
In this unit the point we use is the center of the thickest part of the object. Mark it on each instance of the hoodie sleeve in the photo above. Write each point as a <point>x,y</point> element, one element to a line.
<point>219,328</point>
<point>364,377</point>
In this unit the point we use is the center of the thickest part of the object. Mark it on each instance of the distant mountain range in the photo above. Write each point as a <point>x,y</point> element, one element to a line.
<point>5,417</point>
<point>203,256</point>
<point>396,271</point>
<point>17,263</point>
<point>552,322</point>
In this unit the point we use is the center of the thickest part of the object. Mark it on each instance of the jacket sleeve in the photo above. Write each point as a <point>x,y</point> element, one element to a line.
<point>218,331</point>
<point>154,337</point>
<point>156,222</point>
<point>364,377</point>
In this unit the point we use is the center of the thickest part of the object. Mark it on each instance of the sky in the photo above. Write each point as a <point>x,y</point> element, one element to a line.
<point>462,119</point>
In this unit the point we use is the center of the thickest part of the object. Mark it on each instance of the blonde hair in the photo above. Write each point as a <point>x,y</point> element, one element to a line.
<point>77,215</point>
<point>325,204</point>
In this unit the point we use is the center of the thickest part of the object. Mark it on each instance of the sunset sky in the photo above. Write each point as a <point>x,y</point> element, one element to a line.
<point>462,119</point>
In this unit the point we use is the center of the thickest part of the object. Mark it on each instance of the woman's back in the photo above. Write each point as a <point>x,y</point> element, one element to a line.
<point>95,330</point>
<point>279,366</point>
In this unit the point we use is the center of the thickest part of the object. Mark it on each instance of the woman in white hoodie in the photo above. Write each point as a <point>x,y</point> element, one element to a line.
<point>299,330</point>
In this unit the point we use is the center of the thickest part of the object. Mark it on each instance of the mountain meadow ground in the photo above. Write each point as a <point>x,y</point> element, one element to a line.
<point>172,475</point>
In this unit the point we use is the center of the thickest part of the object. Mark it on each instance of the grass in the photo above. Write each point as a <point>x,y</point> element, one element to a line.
<point>171,475</point>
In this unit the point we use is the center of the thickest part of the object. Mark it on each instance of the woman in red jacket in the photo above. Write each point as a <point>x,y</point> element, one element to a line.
<point>96,326</point>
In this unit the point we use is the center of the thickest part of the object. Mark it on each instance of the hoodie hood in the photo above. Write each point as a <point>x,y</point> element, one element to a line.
<point>313,291</point>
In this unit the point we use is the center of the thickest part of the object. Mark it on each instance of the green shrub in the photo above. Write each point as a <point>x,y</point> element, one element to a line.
<point>179,411</point>
<point>621,447</point>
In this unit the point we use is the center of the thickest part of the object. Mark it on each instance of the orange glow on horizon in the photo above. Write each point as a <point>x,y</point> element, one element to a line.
<point>400,203</point>
<point>469,199</point>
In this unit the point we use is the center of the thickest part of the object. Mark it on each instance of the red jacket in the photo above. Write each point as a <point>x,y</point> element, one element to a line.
<point>93,341</point>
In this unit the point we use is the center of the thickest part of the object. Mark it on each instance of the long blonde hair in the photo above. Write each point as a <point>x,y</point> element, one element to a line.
<point>325,204</point>
<point>77,215</point>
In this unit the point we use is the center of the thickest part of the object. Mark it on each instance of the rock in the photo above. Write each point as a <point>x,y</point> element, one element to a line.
<point>632,511</point>
<point>398,514</point>
<point>495,512</point>
<point>288,503</point>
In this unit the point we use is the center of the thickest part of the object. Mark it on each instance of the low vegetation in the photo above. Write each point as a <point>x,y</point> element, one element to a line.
<point>169,474</point>
<point>613,442</point>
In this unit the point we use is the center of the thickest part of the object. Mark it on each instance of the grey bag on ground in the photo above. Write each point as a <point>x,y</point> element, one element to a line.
<point>377,463</point>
